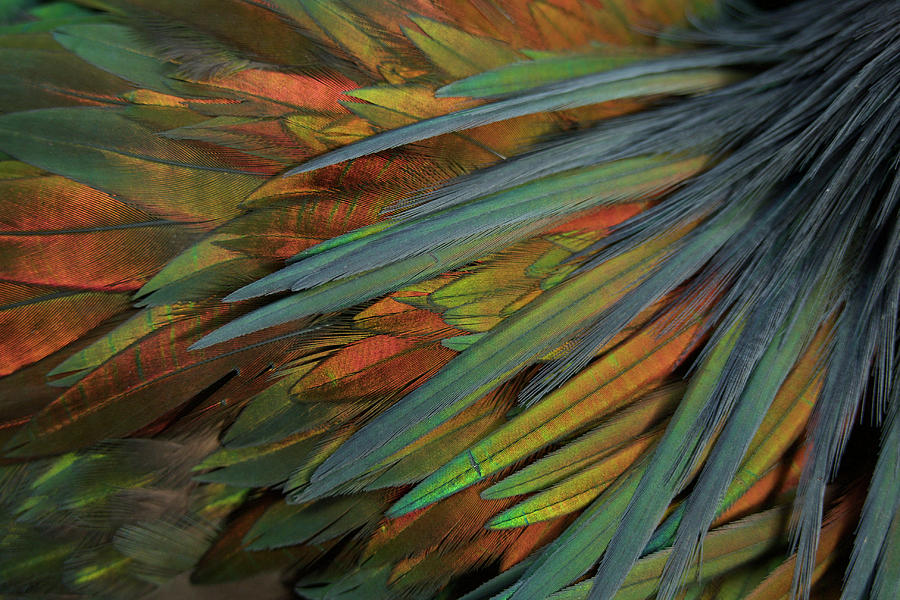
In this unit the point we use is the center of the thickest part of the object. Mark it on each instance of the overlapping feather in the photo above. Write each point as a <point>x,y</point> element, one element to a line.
<point>387,439</point>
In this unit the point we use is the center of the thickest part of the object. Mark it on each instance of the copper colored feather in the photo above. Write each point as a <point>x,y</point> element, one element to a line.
<point>439,299</point>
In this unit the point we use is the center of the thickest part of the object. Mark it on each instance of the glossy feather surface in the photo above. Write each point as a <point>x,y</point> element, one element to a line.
<point>411,299</point>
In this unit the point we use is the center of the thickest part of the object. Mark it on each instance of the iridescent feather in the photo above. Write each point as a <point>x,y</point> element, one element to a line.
<point>506,299</point>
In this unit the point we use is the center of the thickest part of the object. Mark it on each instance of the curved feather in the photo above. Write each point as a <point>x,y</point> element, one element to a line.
<point>552,272</point>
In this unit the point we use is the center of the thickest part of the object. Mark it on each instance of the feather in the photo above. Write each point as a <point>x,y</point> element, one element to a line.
<point>488,299</point>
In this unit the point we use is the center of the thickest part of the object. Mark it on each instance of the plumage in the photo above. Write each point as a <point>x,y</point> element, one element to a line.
<point>409,299</point>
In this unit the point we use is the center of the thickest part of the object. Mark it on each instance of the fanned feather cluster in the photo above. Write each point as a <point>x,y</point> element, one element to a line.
<point>409,299</point>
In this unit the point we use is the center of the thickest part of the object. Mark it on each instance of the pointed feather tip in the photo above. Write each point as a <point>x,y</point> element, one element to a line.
<point>304,494</point>
<point>316,488</point>
<point>507,520</point>
<point>449,90</point>
<point>257,544</point>
<point>404,506</point>
<point>499,491</point>
<point>220,335</point>
<point>299,170</point>
<point>265,317</point>
<point>249,291</point>
<point>311,165</point>
<point>240,294</point>
<point>437,486</point>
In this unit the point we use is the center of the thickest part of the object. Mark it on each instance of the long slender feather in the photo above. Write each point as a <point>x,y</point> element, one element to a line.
<point>409,299</point>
